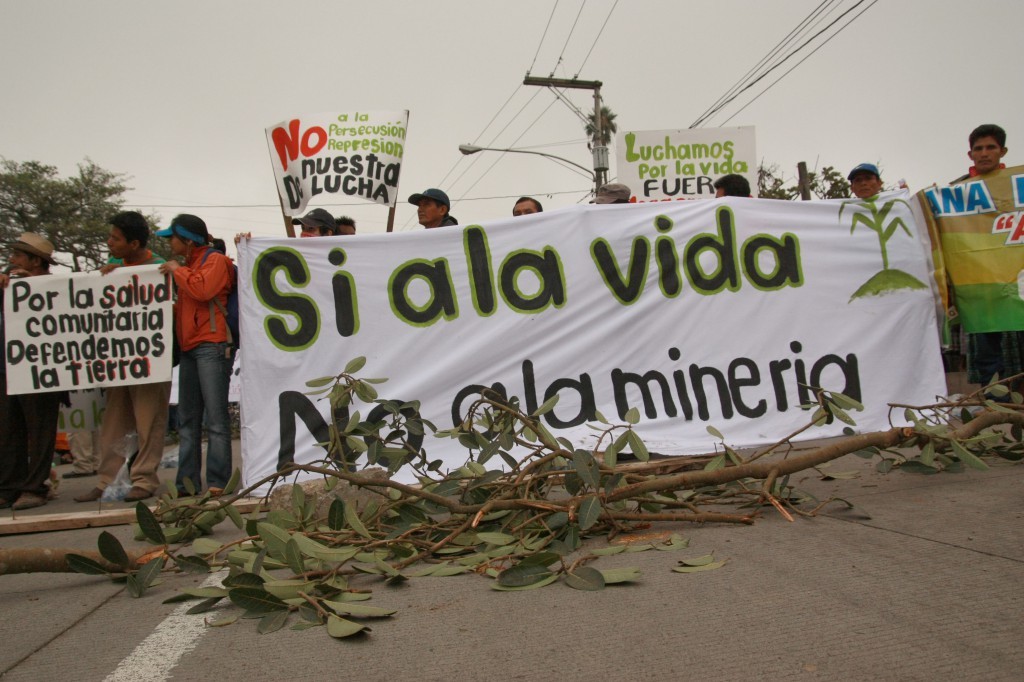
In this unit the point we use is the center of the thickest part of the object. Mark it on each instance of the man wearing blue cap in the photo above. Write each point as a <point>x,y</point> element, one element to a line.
<point>865,181</point>
<point>433,208</point>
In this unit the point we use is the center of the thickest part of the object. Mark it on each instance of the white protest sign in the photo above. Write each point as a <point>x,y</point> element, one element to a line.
<point>85,412</point>
<point>347,154</point>
<point>711,313</point>
<point>82,330</point>
<point>684,164</point>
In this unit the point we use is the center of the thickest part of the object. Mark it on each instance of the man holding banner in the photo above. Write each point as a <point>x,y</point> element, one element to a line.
<point>140,407</point>
<point>977,226</point>
<point>28,422</point>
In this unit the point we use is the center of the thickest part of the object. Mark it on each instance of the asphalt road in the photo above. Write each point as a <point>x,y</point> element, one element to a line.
<point>922,580</point>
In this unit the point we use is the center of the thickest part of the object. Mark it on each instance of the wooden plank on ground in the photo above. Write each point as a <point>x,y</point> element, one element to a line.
<point>42,523</point>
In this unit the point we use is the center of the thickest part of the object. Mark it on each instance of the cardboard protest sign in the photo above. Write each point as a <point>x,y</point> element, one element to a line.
<point>82,330</point>
<point>349,154</point>
<point>683,164</point>
<point>977,230</point>
<point>697,313</point>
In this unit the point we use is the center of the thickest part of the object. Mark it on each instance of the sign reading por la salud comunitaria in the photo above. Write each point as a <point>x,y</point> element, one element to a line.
<point>716,313</point>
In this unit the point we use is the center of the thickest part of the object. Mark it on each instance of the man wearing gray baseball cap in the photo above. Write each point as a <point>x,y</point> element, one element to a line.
<point>433,208</point>
<point>613,193</point>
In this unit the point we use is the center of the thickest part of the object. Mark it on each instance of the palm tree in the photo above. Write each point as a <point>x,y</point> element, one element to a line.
<point>608,127</point>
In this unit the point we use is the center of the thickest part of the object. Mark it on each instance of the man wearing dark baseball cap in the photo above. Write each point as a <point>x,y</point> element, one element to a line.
<point>316,223</point>
<point>613,193</point>
<point>433,208</point>
<point>865,181</point>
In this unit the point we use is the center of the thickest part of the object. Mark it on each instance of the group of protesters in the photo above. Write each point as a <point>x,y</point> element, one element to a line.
<point>204,277</point>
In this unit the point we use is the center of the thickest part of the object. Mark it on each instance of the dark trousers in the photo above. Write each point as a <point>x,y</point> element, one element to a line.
<point>28,433</point>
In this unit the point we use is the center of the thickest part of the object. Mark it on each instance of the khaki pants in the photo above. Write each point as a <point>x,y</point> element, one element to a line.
<point>85,449</point>
<point>143,409</point>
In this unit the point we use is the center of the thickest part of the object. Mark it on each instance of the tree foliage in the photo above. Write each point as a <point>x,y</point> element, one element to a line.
<point>71,212</point>
<point>826,184</point>
<point>608,126</point>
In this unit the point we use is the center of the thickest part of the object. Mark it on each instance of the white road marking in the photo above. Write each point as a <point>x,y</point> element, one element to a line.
<point>155,657</point>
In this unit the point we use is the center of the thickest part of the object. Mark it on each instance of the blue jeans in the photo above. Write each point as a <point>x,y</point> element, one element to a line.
<point>203,377</point>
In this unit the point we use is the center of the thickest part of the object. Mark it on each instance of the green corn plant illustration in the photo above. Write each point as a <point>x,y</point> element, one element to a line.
<point>888,279</point>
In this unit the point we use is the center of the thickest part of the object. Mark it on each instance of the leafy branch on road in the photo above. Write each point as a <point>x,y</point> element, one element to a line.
<point>518,511</point>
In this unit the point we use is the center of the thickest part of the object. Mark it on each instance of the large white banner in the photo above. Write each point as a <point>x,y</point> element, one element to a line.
<point>84,330</point>
<point>659,165</point>
<point>697,313</point>
<point>348,154</point>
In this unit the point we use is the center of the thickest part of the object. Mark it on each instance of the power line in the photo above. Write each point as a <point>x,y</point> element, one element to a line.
<point>784,59</point>
<point>767,58</point>
<point>568,37</point>
<point>543,36</point>
<point>606,19</point>
<point>841,29</point>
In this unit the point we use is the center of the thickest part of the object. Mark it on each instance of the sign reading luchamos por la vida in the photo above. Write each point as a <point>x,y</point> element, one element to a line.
<point>354,154</point>
<point>660,165</point>
<point>82,330</point>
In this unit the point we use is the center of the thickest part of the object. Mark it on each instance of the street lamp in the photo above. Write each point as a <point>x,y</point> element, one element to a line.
<point>468,149</point>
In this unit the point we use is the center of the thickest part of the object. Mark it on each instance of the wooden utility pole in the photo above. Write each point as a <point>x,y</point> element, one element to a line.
<point>803,181</point>
<point>599,149</point>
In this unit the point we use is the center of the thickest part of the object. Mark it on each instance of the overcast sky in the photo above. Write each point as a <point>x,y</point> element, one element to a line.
<point>176,95</point>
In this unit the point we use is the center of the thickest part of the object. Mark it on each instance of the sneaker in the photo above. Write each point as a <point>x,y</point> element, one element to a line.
<point>78,474</point>
<point>136,494</point>
<point>91,496</point>
<point>28,501</point>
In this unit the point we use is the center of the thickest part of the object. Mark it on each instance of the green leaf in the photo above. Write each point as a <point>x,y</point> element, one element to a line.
<point>614,576</point>
<point>293,556</point>
<point>149,571</point>
<point>698,569</point>
<point>135,588</point>
<point>192,564</point>
<point>235,516</point>
<point>715,463</point>
<point>587,468</point>
<point>548,405</point>
<point>715,432</point>
<point>918,467</point>
<point>321,381</point>
<point>522,576</point>
<point>884,466</point>
<point>496,538</point>
<point>205,546</point>
<point>846,402</point>
<point>589,512</point>
<point>111,550</point>
<point>275,538</point>
<point>968,457</point>
<point>221,622</point>
<point>339,628</point>
<point>336,514</point>
<point>272,622</point>
<point>585,578</point>
<point>636,444</point>
<point>255,600</point>
<point>312,548</point>
<point>354,365</point>
<point>203,606</point>
<point>998,390</point>
<point>551,577</point>
<point>288,589</point>
<point>148,524</point>
<point>242,580</point>
<point>698,561</point>
<point>83,564</point>
<point>632,416</point>
<point>232,486</point>
<point>354,522</point>
<point>358,610</point>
